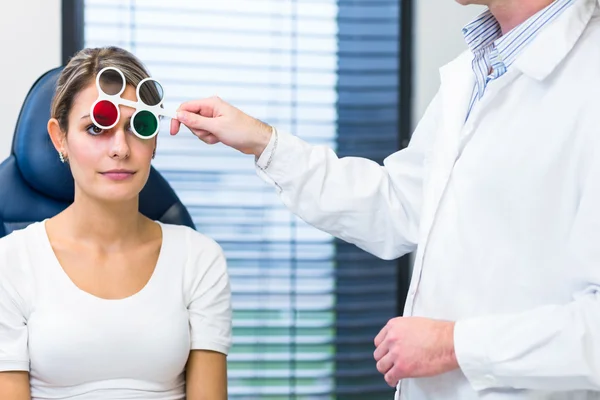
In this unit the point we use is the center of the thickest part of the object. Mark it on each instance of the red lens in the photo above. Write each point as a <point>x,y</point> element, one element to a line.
<point>105,113</point>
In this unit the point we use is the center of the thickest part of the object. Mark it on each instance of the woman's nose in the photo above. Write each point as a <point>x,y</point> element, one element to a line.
<point>119,145</point>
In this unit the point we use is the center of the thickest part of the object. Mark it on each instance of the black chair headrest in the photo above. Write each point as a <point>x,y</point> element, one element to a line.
<point>33,150</point>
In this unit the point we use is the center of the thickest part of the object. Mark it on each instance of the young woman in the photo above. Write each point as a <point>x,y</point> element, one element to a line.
<point>99,302</point>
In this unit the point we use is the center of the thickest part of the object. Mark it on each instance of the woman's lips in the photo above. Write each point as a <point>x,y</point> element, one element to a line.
<point>118,174</point>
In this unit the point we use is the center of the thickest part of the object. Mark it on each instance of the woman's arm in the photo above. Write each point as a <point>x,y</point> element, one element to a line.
<point>208,297</point>
<point>14,295</point>
<point>206,376</point>
<point>15,386</point>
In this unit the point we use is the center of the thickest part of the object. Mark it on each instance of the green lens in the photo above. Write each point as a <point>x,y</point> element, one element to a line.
<point>145,123</point>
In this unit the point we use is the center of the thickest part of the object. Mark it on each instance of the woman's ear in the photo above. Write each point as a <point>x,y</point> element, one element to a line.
<point>57,136</point>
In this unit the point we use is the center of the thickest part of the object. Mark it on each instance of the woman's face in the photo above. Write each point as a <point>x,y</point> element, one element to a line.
<point>109,165</point>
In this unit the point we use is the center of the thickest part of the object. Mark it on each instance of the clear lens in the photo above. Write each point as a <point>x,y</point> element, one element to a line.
<point>151,92</point>
<point>111,82</point>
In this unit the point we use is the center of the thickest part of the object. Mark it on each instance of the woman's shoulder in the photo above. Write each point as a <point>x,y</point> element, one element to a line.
<point>201,255</point>
<point>18,243</point>
<point>16,271</point>
<point>205,261</point>
<point>191,240</point>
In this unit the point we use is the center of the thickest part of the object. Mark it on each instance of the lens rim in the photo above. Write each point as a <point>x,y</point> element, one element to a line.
<point>139,97</point>
<point>93,118</point>
<point>138,134</point>
<point>123,82</point>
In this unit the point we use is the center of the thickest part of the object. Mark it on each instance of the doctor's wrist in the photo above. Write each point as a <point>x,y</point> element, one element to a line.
<point>449,359</point>
<point>261,138</point>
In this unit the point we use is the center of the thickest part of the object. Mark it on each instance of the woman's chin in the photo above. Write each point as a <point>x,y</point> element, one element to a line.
<point>119,194</point>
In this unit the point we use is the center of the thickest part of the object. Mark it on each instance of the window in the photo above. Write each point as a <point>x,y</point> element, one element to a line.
<point>306,306</point>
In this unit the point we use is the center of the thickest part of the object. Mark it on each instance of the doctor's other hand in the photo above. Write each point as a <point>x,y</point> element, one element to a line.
<point>414,347</point>
<point>213,120</point>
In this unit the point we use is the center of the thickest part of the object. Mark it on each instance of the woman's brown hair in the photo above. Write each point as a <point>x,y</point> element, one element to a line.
<point>81,71</point>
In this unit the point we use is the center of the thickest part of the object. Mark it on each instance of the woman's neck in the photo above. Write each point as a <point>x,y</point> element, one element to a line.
<point>511,13</point>
<point>110,226</point>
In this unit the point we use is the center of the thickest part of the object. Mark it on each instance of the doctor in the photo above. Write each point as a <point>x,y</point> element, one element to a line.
<point>498,193</point>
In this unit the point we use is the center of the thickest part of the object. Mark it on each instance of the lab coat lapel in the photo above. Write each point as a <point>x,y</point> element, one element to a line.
<point>457,82</point>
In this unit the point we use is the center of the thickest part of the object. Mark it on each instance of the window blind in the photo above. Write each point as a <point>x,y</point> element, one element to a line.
<point>306,306</point>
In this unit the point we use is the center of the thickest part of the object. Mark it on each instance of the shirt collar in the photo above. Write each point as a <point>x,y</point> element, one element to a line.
<point>484,31</point>
<point>556,41</point>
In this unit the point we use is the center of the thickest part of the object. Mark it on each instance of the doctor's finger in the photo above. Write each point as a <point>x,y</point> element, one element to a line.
<point>209,139</point>
<point>380,336</point>
<point>201,133</point>
<point>391,377</point>
<point>385,364</point>
<point>197,122</point>
<point>205,107</point>
<point>381,351</point>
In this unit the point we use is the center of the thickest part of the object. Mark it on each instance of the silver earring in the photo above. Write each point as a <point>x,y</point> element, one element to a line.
<point>61,156</point>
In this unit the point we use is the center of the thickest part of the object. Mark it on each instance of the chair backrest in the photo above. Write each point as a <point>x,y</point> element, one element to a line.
<point>35,185</point>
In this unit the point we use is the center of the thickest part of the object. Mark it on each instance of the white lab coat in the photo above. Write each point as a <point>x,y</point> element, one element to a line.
<point>503,212</point>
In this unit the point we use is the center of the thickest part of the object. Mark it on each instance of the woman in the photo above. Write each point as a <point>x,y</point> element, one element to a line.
<point>100,302</point>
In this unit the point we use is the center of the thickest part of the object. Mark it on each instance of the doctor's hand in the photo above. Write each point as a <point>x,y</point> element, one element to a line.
<point>411,347</point>
<point>213,120</point>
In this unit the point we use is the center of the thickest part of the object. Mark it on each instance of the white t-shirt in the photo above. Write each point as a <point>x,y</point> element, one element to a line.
<point>78,346</point>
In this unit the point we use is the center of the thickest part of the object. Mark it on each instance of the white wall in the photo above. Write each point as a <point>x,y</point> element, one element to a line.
<point>30,42</point>
<point>438,39</point>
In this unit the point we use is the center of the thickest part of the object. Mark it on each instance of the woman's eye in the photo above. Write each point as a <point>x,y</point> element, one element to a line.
<point>94,130</point>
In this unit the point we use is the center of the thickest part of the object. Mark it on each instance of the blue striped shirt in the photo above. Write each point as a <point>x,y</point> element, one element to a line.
<point>493,52</point>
